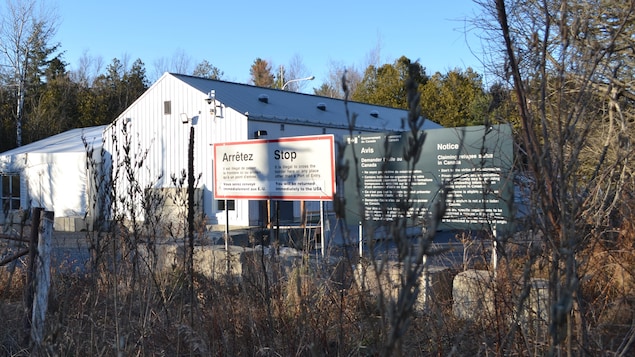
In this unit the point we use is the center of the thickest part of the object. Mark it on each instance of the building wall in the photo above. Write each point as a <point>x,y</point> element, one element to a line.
<point>160,139</point>
<point>57,182</point>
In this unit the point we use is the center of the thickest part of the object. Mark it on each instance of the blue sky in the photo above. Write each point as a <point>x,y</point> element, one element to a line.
<point>232,34</point>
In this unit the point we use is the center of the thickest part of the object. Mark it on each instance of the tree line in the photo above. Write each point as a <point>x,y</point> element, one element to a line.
<point>40,96</point>
<point>56,99</point>
<point>456,98</point>
<point>566,72</point>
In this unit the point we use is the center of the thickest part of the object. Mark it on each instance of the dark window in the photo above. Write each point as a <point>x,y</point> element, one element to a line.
<point>10,192</point>
<point>231,204</point>
<point>167,107</point>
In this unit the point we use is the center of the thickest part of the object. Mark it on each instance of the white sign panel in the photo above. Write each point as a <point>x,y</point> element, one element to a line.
<point>294,168</point>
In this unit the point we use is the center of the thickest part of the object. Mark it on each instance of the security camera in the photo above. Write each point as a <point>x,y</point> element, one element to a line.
<point>211,97</point>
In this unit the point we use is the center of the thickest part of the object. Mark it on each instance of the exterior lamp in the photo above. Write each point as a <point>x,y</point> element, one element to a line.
<point>184,118</point>
<point>297,80</point>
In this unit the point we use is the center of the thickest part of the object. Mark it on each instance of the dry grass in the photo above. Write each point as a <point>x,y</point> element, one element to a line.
<point>308,313</point>
<point>314,309</point>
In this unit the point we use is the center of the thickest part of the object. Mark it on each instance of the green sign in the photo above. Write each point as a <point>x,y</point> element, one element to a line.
<point>472,165</point>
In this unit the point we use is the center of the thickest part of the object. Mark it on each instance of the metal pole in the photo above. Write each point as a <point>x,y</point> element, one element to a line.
<point>277,244</point>
<point>494,251</point>
<point>322,227</point>
<point>426,282</point>
<point>361,240</point>
<point>226,226</point>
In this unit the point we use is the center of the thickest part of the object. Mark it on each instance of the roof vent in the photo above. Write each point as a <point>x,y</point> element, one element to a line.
<point>374,114</point>
<point>263,98</point>
<point>321,106</point>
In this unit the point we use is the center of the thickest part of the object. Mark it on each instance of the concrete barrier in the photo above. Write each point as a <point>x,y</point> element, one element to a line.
<point>473,299</point>
<point>247,265</point>
<point>535,315</point>
<point>473,295</point>
<point>384,277</point>
<point>211,261</point>
<point>70,224</point>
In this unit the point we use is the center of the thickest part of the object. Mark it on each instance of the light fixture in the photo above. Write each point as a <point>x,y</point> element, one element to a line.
<point>259,134</point>
<point>184,118</point>
<point>297,80</point>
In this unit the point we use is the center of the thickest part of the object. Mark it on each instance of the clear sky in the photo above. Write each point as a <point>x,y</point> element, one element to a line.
<point>231,34</point>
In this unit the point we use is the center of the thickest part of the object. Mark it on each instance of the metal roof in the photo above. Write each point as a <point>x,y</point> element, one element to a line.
<point>268,104</point>
<point>68,141</point>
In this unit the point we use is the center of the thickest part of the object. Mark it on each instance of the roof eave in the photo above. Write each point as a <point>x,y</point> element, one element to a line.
<point>307,122</point>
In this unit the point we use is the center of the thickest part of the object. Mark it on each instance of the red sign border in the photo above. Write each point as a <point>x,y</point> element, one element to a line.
<point>328,196</point>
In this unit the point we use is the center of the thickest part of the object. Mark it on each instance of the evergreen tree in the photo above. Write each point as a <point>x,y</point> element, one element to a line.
<point>52,108</point>
<point>386,85</point>
<point>111,93</point>
<point>207,70</point>
<point>326,90</point>
<point>455,99</point>
<point>261,74</point>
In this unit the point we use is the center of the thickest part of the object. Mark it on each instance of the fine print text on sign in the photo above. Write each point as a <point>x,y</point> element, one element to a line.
<point>290,168</point>
<point>474,163</point>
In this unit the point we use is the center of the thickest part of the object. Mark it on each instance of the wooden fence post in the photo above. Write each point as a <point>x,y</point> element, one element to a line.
<point>30,287</point>
<point>42,279</point>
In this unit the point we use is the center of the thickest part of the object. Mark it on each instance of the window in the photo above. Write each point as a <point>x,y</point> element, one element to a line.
<point>10,192</point>
<point>167,107</point>
<point>231,204</point>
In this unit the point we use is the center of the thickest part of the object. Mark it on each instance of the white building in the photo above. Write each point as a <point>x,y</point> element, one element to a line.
<point>51,173</point>
<point>155,130</point>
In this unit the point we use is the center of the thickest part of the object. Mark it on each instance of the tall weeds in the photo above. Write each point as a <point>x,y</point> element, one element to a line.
<point>144,290</point>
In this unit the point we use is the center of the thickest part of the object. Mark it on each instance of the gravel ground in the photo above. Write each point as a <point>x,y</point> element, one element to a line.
<point>71,249</point>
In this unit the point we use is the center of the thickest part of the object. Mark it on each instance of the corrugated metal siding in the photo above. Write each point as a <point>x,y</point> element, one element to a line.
<point>164,139</point>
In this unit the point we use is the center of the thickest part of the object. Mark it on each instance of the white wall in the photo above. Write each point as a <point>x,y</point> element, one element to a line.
<point>58,182</point>
<point>162,141</point>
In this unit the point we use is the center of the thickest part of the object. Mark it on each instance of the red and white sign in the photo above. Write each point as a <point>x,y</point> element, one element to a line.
<point>293,168</point>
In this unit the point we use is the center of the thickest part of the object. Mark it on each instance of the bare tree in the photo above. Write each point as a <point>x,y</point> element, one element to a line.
<point>180,62</point>
<point>88,68</point>
<point>297,70</point>
<point>25,29</point>
<point>333,85</point>
<point>570,65</point>
<point>373,57</point>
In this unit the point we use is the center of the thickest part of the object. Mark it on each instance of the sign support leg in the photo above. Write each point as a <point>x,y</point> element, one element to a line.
<point>322,235</point>
<point>227,236</point>
<point>361,239</point>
